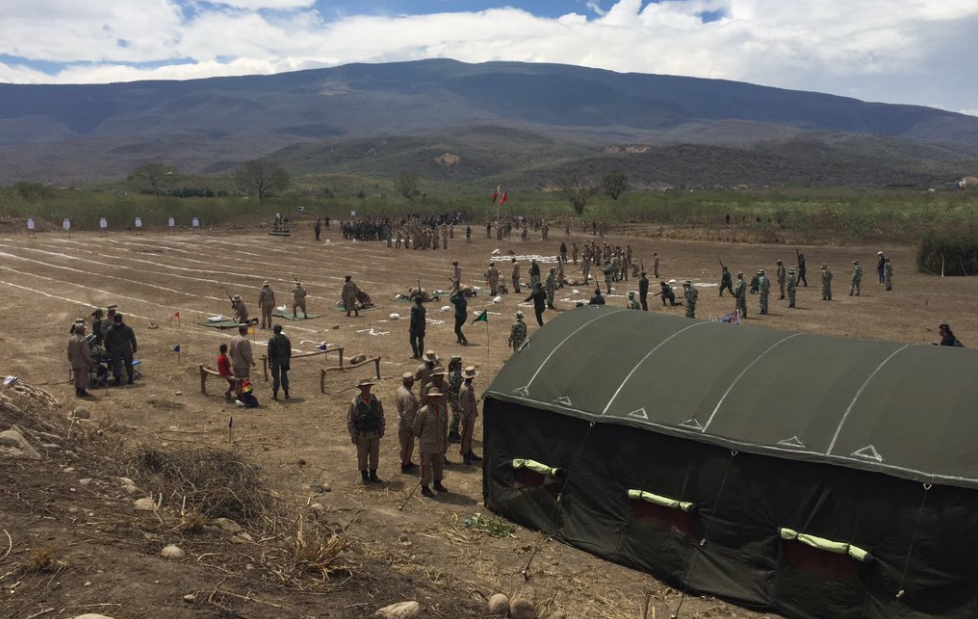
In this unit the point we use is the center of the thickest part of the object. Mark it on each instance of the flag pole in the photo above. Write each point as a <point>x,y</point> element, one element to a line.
<point>487,339</point>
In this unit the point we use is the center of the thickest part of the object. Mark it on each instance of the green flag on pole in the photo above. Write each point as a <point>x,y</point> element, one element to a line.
<point>483,317</point>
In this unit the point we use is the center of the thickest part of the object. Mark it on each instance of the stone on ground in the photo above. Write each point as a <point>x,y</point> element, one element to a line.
<point>14,445</point>
<point>401,610</point>
<point>172,552</point>
<point>498,604</point>
<point>521,608</point>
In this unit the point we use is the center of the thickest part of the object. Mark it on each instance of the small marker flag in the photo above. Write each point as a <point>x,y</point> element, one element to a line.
<point>176,349</point>
<point>323,346</point>
<point>483,317</point>
<point>177,315</point>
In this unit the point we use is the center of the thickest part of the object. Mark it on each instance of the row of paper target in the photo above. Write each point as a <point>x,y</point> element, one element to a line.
<point>103,223</point>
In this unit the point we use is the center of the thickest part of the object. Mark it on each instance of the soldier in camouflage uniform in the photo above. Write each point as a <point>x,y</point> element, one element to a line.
<point>517,333</point>
<point>632,303</point>
<point>550,286</point>
<point>857,278</point>
<point>792,287</point>
<point>609,274</point>
<point>454,384</point>
<point>764,285</point>
<point>826,283</point>
<point>690,296</point>
<point>740,294</point>
<point>888,274</point>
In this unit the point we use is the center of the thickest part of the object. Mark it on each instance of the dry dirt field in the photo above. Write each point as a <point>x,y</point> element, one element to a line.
<point>425,552</point>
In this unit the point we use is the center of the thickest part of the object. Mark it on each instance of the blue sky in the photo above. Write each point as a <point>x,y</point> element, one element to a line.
<point>917,52</point>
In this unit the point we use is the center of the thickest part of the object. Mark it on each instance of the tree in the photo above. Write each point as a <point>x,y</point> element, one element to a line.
<point>406,185</point>
<point>578,190</point>
<point>615,183</point>
<point>154,177</point>
<point>31,191</point>
<point>261,178</point>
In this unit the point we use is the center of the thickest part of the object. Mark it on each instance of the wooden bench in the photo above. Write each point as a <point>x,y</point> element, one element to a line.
<point>322,373</point>
<point>204,374</point>
<point>338,349</point>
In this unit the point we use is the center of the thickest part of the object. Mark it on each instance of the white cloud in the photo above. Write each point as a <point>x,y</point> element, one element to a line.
<point>915,51</point>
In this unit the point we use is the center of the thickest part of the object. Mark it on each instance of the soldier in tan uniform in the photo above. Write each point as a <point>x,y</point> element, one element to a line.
<point>241,357</point>
<point>422,375</point>
<point>299,300</point>
<point>431,428</point>
<point>240,309</point>
<point>80,358</point>
<point>456,276</point>
<point>407,410</point>
<point>492,276</point>
<point>516,276</point>
<point>366,424</point>
<point>349,296</point>
<point>266,301</point>
<point>469,405</point>
<point>109,319</point>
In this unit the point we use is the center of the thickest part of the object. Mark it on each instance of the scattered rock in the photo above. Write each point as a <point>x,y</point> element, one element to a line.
<point>92,616</point>
<point>81,413</point>
<point>85,482</point>
<point>317,507</point>
<point>144,505</point>
<point>402,610</point>
<point>172,552</point>
<point>520,608</point>
<point>178,393</point>
<point>228,525</point>
<point>498,604</point>
<point>190,598</point>
<point>125,481</point>
<point>335,327</point>
<point>130,489</point>
<point>68,470</point>
<point>558,614</point>
<point>242,538</point>
<point>14,445</point>
<point>395,317</point>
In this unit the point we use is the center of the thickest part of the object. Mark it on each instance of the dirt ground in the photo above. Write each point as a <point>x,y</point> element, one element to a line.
<point>424,552</point>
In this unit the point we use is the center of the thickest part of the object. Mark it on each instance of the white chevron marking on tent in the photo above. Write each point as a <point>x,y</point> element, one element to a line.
<point>564,401</point>
<point>692,423</point>
<point>639,414</point>
<point>794,441</point>
<point>869,453</point>
<point>523,391</point>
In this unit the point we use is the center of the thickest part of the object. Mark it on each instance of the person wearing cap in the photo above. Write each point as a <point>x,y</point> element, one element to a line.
<point>456,275</point>
<point>436,379</point>
<point>266,301</point>
<point>947,336</point>
<point>726,282</point>
<point>609,274</point>
<point>826,283</point>
<point>430,428</point>
<point>888,274</point>
<point>461,315</point>
<point>366,424</point>
<point>299,300</point>
<point>740,295</point>
<point>407,410</point>
<point>880,266</point>
<point>109,319</point>
<point>802,279</point>
<point>632,303</point>
<point>422,375</point>
<point>586,264</point>
<point>242,359</point>
<point>539,299</point>
<point>782,276</point>
<point>792,288</point>
<point>597,299</point>
<point>492,278</point>
<point>240,309</point>
<point>469,408</point>
<point>97,325</point>
<point>516,276</point>
<point>534,272</point>
<point>454,386</point>
<point>667,293</point>
<point>643,291</point>
<point>764,288</point>
<point>120,342</point>
<point>550,286</point>
<point>690,296</point>
<point>416,329</point>
<point>575,252</point>
<point>857,278</point>
<point>279,358</point>
<point>517,332</point>
<point>80,358</point>
<point>349,296</point>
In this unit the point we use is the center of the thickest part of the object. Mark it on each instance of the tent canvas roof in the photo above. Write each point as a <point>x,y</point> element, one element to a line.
<point>904,410</point>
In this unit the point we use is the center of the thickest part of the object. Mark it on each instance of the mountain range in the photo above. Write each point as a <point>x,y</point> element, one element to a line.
<point>461,123</point>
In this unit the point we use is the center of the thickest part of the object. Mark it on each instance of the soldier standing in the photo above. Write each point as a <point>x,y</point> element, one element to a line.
<point>609,274</point>
<point>349,296</point>
<point>792,287</point>
<point>430,428</point>
<point>468,234</point>
<point>299,300</point>
<point>764,287</point>
<point>241,358</point>
<point>417,327</point>
<point>120,342</point>
<point>516,276</point>
<point>539,298</point>
<point>880,266</point>
<point>632,303</point>
<point>690,296</point>
<point>240,309</point>
<point>726,282</point>
<point>422,375</point>
<point>517,333</point>
<point>655,264</point>
<point>534,272</point>
<point>80,358</point>
<point>97,325</point>
<point>551,287</point>
<point>563,251</point>
<point>574,252</point>
<point>407,409</point>
<point>801,270</point>
<point>469,405</point>
<point>740,294</point>
<point>454,385</point>
<point>456,276</point>
<point>857,278</point>
<point>366,424</point>
<point>643,291</point>
<point>826,283</point>
<point>318,228</point>
<point>280,358</point>
<point>888,274</point>
<point>492,276</point>
<point>586,267</point>
<point>109,320</point>
<point>782,276</point>
<point>266,301</point>
<point>461,314</point>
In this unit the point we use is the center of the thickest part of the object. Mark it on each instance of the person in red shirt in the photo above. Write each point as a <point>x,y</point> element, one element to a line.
<point>224,369</point>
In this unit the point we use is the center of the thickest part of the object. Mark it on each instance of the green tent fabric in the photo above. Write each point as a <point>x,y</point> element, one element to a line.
<point>824,476</point>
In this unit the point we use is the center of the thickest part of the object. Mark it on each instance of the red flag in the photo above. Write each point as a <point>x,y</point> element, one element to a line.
<point>177,315</point>
<point>495,195</point>
<point>505,197</point>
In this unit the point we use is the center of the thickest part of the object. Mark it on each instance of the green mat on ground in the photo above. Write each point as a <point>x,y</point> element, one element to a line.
<point>223,324</point>
<point>289,316</point>
<point>448,293</point>
<point>403,300</point>
<point>339,307</point>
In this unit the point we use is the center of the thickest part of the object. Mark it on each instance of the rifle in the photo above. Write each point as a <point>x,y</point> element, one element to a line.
<point>231,300</point>
<point>722,266</point>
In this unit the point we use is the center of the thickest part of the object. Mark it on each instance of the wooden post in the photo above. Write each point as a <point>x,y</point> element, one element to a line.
<point>264,367</point>
<point>203,380</point>
<point>322,380</point>
<point>377,363</point>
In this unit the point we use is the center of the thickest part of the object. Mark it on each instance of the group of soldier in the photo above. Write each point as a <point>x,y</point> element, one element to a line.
<point>111,340</point>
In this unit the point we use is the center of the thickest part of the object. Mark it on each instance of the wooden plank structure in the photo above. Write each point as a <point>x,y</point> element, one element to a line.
<point>316,353</point>
<point>281,230</point>
<point>322,372</point>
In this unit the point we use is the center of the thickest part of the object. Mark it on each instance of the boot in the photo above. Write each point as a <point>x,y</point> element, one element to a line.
<point>474,458</point>
<point>117,382</point>
<point>373,476</point>
<point>439,487</point>
<point>454,437</point>
<point>364,478</point>
<point>129,381</point>
<point>275,395</point>
<point>426,491</point>
<point>407,468</point>
<point>286,394</point>
<point>466,459</point>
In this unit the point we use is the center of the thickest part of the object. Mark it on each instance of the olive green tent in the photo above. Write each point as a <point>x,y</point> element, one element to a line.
<point>819,476</point>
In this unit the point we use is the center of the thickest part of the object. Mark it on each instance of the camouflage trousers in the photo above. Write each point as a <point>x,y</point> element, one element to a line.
<point>826,292</point>
<point>742,307</point>
<point>690,310</point>
<point>791,297</point>
<point>763,300</point>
